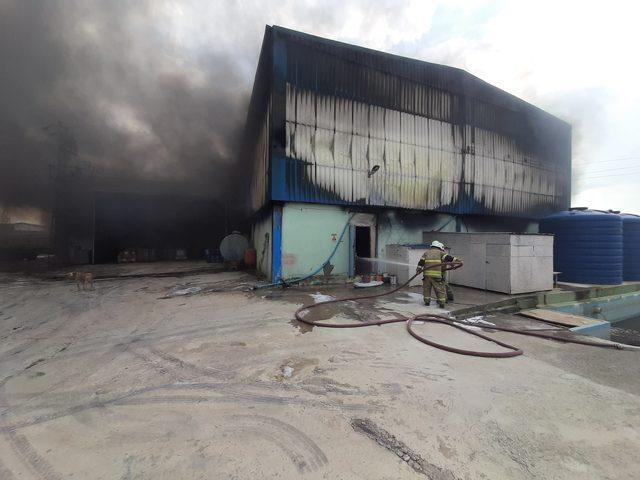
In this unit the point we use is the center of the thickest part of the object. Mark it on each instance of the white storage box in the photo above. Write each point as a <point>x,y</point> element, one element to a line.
<point>502,262</point>
<point>403,254</point>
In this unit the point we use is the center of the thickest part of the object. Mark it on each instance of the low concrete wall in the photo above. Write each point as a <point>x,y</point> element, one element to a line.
<point>600,330</point>
<point>549,299</point>
<point>612,308</point>
<point>622,303</point>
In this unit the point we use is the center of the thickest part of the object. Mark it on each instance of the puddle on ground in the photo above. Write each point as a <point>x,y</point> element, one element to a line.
<point>348,312</point>
<point>414,297</point>
<point>301,326</point>
<point>321,298</point>
<point>626,331</point>
<point>354,310</point>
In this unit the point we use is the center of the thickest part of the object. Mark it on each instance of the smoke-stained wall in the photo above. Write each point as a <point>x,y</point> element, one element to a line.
<point>399,228</point>
<point>338,141</point>
<point>259,188</point>
<point>261,239</point>
<point>256,145</point>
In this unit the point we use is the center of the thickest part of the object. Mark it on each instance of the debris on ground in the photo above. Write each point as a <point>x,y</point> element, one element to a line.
<point>179,291</point>
<point>320,298</point>
<point>221,286</point>
<point>368,284</point>
<point>391,443</point>
<point>468,327</point>
<point>479,319</point>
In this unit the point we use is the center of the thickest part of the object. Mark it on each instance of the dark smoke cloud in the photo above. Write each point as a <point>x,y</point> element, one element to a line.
<point>157,90</point>
<point>105,84</point>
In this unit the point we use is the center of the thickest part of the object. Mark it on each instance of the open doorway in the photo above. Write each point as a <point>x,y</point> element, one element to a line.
<point>155,227</point>
<point>363,249</point>
<point>363,242</point>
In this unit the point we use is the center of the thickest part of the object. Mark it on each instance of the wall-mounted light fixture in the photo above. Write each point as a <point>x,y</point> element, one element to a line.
<point>373,170</point>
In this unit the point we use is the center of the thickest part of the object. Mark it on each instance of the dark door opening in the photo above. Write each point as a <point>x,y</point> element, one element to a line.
<point>363,242</point>
<point>363,250</point>
<point>155,227</point>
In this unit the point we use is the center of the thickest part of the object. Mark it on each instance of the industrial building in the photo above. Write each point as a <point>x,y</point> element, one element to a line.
<point>354,149</point>
<point>90,218</point>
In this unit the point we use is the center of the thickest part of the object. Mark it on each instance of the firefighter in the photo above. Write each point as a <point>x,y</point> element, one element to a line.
<point>433,278</point>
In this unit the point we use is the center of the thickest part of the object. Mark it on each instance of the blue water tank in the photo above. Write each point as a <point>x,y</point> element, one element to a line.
<point>587,245</point>
<point>631,246</point>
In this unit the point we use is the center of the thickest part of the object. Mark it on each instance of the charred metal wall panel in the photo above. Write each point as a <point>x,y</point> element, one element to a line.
<point>444,140</point>
<point>333,142</point>
<point>255,151</point>
<point>260,158</point>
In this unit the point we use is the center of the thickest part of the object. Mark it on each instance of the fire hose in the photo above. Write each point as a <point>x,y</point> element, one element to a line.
<point>512,351</point>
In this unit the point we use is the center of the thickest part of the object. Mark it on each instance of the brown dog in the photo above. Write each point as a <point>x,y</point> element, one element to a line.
<point>83,279</point>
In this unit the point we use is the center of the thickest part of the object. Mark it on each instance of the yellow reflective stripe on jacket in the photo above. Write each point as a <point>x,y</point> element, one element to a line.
<point>432,257</point>
<point>432,272</point>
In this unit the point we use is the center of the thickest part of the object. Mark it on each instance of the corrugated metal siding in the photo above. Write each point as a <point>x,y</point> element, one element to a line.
<point>371,77</point>
<point>255,153</point>
<point>337,141</point>
<point>444,140</point>
<point>260,160</point>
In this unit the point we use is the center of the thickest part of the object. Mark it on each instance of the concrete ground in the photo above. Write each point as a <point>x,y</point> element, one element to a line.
<point>190,378</point>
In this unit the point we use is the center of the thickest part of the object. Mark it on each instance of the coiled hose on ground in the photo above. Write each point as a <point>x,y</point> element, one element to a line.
<point>512,351</point>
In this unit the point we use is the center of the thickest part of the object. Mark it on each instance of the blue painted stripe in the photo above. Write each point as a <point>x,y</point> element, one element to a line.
<point>279,190</point>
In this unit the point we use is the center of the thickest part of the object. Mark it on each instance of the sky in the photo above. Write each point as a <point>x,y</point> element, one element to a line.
<point>159,88</point>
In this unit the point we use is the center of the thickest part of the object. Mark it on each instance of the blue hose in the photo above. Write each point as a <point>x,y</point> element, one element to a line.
<point>293,281</point>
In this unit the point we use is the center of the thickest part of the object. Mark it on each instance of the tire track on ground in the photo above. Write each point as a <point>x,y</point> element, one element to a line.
<point>179,335</point>
<point>222,393</point>
<point>293,436</point>
<point>24,450</point>
<point>20,445</point>
<point>30,457</point>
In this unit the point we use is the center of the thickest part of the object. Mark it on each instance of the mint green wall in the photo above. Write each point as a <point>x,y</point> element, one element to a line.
<point>306,238</point>
<point>395,228</point>
<point>261,237</point>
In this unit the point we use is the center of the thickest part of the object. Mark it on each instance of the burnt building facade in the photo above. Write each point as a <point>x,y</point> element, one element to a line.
<point>384,147</point>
